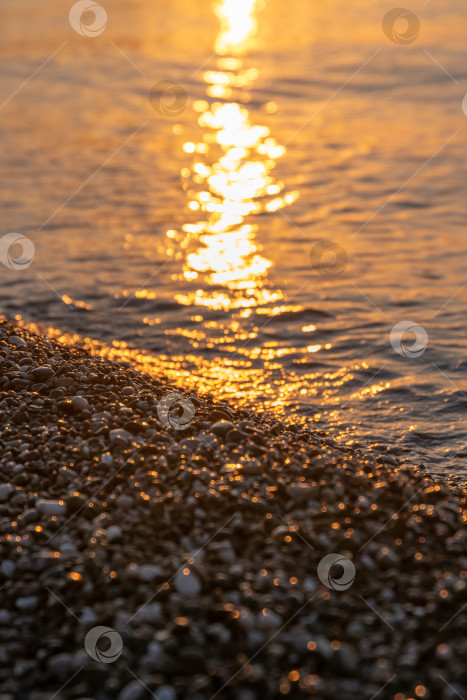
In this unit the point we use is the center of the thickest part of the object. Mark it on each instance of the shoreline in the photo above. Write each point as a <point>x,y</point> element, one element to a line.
<point>202,539</point>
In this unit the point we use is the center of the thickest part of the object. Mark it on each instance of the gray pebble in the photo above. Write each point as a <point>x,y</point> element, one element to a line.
<point>5,490</point>
<point>119,437</point>
<point>166,692</point>
<point>79,404</point>
<point>7,567</point>
<point>5,618</point>
<point>268,620</point>
<point>42,374</point>
<point>49,507</point>
<point>107,459</point>
<point>19,342</point>
<point>151,613</point>
<point>133,691</point>
<point>27,603</point>
<point>222,427</point>
<point>188,585</point>
<point>300,492</point>
<point>60,665</point>
<point>150,572</point>
<point>114,533</point>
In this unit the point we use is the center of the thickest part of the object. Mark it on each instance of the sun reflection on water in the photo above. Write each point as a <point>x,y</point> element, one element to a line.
<point>241,342</point>
<point>230,185</point>
<point>238,24</point>
<point>229,181</point>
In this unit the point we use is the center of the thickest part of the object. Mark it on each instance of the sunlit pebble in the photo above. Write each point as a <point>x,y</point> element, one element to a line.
<point>444,652</point>
<point>181,621</point>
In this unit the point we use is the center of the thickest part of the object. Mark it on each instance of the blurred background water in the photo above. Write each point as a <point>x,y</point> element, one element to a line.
<point>180,221</point>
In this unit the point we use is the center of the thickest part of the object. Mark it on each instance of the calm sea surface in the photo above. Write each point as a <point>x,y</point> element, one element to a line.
<point>255,193</point>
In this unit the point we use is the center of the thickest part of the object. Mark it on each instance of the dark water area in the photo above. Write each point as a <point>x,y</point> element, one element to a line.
<point>270,203</point>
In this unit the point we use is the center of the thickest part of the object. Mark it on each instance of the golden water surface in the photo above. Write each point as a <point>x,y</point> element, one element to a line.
<point>182,226</point>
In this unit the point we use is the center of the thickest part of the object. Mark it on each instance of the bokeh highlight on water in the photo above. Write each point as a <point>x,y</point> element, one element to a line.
<point>186,233</point>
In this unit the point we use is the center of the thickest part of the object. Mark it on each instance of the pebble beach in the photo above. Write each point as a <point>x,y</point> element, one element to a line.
<point>162,544</point>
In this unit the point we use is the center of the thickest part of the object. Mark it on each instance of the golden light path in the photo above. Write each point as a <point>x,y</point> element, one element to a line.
<point>229,184</point>
<point>230,180</point>
<point>237,185</point>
